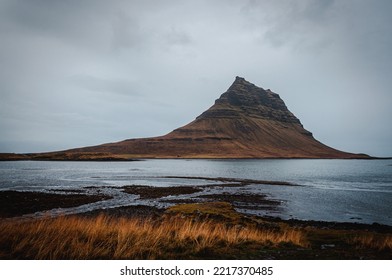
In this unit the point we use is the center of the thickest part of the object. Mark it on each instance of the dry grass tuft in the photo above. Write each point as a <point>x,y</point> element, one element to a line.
<point>103,237</point>
<point>373,240</point>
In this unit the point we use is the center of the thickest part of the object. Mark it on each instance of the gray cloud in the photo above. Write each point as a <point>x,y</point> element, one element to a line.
<point>77,73</point>
<point>95,84</point>
<point>297,23</point>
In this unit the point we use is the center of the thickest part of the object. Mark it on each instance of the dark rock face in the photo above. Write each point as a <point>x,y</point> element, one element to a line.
<point>245,98</point>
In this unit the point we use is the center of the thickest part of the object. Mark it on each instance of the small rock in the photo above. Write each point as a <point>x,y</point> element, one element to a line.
<point>327,246</point>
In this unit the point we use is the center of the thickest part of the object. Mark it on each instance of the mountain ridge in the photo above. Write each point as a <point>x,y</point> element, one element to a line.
<point>246,121</point>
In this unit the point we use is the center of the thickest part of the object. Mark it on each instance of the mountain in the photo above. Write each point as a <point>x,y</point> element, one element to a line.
<point>246,121</point>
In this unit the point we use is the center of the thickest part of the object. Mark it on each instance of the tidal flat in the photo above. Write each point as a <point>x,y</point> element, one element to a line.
<point>207,227</point>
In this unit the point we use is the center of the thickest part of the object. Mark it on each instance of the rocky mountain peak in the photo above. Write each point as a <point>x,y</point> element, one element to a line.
<point>240,80</point>
<point>246,99</point>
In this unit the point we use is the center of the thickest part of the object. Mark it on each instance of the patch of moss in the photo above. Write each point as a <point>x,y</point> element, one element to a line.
<point>223,210</point>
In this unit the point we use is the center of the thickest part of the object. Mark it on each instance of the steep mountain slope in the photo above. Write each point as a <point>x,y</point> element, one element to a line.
<point>245,122</point>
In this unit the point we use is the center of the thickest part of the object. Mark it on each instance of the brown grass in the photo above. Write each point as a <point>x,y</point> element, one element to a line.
<point>373,240</point>
<point>106,238</point>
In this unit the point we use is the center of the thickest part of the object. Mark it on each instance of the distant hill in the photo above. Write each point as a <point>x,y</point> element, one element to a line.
<point>245,122</point>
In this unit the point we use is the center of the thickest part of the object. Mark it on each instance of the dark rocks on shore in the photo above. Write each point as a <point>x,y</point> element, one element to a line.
<point>146,192</point>
<point>235,181</point>
<point>245,201</point>
<point>14,203</point>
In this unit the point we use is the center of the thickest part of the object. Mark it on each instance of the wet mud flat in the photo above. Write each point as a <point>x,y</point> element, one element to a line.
<point>219,202</point>
<point>16,203</point>
<point>19,203</point>
<point>149,192</point>
<point>237,191</point>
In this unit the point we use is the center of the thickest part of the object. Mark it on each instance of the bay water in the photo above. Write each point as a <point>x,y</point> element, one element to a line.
<point>325,190</point>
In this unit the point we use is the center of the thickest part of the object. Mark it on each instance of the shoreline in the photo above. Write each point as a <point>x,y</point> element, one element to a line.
<point>21,204</point>
<point>26,204</point>
<point>197,230</point>
<point>143,211</point>
<point>212,230</point>
<point>107,157</point>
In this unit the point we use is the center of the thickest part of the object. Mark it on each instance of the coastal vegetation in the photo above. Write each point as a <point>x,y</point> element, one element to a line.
<point>189,231</point>
<point>105,238</point>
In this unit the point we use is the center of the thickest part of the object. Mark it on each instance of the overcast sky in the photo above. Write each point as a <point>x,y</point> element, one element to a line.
<point>78,73</point>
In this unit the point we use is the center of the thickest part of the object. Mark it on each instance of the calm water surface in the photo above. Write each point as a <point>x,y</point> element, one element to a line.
<point>329,190</point>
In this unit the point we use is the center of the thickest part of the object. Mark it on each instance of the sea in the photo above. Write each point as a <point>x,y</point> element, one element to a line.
<point>323,190</point>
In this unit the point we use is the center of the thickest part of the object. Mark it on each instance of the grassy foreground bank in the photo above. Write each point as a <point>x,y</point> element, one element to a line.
<point>190,231</point>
